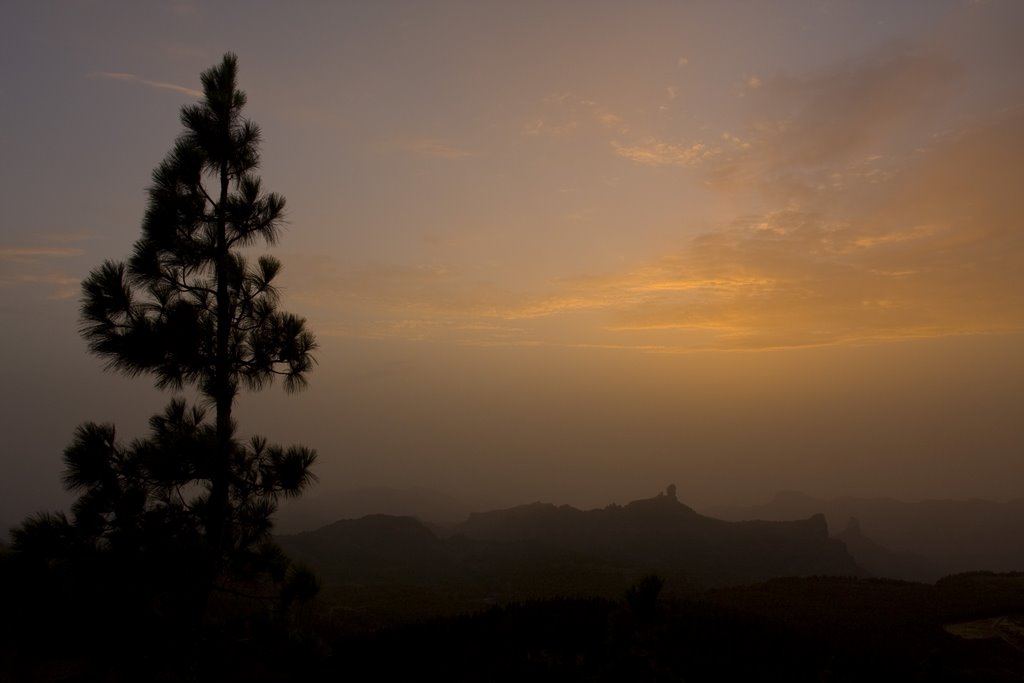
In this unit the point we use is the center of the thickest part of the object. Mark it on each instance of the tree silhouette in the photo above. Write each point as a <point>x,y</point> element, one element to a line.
<point>642,597</point>
<point>190,309</point>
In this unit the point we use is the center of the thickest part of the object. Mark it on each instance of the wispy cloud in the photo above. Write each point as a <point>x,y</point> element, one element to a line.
<point>34,254</point>
<point>61,287</point>
<point>567,113</point>
<point>806,132</point>
<point>652,152</point>
<point>132,78</point>
<point>937,251</point>
<point>42,266</point>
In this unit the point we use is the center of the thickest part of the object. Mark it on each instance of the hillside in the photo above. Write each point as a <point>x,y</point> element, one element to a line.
<point>790,629</point>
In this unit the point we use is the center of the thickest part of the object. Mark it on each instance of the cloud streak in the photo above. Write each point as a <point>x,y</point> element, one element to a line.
<point>35,266</point>
<point>160,85</point>
<point>33,254</point>
<point>61,287</point>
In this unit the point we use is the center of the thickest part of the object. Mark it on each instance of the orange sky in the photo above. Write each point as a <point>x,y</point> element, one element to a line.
<point>563,250</point>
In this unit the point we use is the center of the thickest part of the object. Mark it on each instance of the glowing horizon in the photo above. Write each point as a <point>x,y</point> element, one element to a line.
<point>626,201</point>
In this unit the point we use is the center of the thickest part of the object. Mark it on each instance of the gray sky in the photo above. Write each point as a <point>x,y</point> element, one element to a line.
<point>569,251</point>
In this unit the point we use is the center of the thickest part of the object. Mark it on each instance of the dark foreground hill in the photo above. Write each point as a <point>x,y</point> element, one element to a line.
<point>966,628</point>
<point>797,629</point>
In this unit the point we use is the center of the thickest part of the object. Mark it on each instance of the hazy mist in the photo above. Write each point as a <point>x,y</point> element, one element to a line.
<point>570,253</point>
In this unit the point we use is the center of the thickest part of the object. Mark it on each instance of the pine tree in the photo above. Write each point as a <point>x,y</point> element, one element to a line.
<point>163,521</point>
<point>188,307</point>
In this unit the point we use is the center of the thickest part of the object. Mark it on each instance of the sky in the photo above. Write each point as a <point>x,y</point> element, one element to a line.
<point>559,251</point>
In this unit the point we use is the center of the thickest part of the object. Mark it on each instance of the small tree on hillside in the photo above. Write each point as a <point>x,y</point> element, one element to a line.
<point>190,309</point>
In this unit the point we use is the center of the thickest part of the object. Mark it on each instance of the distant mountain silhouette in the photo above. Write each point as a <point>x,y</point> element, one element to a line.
<point>947,536</point>
<point>380,562</point>
<point>663,533</point>
<point>879,560</point>
<point>323,506</point>
<point>371,547</point>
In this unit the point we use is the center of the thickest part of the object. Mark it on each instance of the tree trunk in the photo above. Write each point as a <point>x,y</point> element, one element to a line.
<point>223,389</point>
<point>223,395</point>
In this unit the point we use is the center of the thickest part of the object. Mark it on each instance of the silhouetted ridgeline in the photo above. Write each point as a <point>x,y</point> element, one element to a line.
<point>324,505</point>
<point>669,536</point>
<point>920,541</point>
<point>383,567</point>
<point>881,561</point>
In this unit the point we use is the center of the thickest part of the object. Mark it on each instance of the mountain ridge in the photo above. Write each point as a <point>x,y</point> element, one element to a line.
<point>666,532</point>
<point>926,539</point>
<point>379,563</point>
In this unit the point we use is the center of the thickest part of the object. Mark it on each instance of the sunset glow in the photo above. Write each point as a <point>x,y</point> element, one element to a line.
<point>565,250</point>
